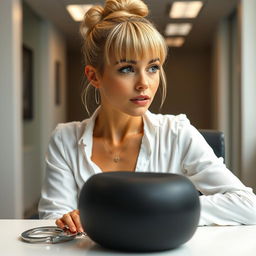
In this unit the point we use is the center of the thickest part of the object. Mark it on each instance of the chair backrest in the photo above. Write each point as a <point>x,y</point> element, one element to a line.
<point>216,140</point>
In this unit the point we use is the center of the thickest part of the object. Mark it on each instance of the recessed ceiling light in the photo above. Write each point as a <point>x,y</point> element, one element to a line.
<point>182,29</point>
<point>185,9</point>
<point>175,41</point>
<point>77,11</point>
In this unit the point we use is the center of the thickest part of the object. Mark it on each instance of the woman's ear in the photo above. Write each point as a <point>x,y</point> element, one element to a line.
<point>92,75</point>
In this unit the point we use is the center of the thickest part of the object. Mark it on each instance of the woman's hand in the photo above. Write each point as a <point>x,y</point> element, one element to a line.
<point>70,220</point>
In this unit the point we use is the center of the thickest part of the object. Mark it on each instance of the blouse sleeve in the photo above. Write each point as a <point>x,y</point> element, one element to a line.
<point>225,200</point>
<point>59,192</point>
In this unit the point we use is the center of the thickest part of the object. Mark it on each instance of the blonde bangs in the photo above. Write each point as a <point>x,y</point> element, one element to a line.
<point>134,41</point>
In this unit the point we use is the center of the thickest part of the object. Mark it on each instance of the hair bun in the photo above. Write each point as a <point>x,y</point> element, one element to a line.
<point>131,7</point>
<point>91,18</point>
<point>112,9</point>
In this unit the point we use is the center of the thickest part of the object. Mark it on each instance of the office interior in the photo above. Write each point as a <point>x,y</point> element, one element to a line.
<point>211,78</point>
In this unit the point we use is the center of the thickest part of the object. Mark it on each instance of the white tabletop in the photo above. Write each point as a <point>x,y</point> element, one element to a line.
<point>207,241</point>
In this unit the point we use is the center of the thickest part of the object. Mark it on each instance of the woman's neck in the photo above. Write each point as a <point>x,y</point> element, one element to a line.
<point>115,126</point>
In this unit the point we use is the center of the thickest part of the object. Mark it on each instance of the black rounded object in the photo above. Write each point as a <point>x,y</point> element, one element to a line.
<point>133,211</point>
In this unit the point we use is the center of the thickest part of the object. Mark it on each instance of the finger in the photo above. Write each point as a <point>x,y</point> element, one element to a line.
<point>68,221</point>
<point>76,219</point>
<point>60,223</point>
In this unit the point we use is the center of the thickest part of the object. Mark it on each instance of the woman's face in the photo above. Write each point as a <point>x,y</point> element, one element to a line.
<point>129,85</point>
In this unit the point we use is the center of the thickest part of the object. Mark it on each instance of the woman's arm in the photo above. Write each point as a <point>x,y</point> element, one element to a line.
<point>59,197</point>
<point>59,192</point>
<point>225,200</point>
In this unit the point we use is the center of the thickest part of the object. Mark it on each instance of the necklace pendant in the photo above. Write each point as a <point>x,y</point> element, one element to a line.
<point>116,158</point>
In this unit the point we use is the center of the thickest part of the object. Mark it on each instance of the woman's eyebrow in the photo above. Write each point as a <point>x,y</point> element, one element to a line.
<point>135,62</point>
<point>153,60</point>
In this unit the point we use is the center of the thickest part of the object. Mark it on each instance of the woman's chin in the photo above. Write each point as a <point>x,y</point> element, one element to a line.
<point>137,112</point>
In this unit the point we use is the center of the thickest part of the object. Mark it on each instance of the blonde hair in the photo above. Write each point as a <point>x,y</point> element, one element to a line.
<point>121,29</point>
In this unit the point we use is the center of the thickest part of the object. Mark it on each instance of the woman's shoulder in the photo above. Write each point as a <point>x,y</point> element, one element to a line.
<point>167,121</point>
<point>70,131</point>
<point>70,126</point>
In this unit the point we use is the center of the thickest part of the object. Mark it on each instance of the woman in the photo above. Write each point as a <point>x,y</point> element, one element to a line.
<point>124,54</point>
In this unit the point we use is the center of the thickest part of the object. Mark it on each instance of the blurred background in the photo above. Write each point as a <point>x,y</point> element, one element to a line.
<point>210,72</point>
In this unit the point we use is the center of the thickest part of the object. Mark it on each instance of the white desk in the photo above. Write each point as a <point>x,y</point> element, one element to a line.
<point>207,241</point>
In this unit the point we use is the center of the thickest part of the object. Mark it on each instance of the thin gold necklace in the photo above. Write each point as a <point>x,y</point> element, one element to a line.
<point>116,155</point>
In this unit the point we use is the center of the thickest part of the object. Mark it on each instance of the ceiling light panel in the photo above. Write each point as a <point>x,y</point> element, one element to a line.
<point>175,41</point>
<point>181,29</point>
<point>185,10</point>
<point>77,11</point>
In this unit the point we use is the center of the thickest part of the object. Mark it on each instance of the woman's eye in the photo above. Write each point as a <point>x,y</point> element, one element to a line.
<point>126,70</point>
<point>154,69</point>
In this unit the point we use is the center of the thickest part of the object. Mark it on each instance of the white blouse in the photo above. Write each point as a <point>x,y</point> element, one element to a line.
<point>170,144</point>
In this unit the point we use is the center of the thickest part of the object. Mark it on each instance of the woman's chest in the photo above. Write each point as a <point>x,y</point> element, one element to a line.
<point>122,157</point>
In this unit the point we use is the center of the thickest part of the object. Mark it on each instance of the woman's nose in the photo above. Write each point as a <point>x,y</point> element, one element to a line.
<point>142,83</point>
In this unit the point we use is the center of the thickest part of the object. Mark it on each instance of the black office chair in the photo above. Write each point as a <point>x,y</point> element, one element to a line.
<point>216,140</point>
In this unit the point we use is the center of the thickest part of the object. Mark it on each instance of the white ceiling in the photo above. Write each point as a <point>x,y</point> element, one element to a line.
<point>199,37</point>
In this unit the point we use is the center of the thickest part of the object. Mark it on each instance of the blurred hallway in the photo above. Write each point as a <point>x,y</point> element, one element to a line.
<point>211,78</point>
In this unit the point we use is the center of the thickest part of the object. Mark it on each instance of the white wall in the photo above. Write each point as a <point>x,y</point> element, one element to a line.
<point>248,92</point>
<point>23,145</point>
<point>235,95</point>
<point>49,46</point>
<point>234,89</point>
<point>11,200</point>
<point>32,128</point>
<point>53,48</point>
<point>221,84</point>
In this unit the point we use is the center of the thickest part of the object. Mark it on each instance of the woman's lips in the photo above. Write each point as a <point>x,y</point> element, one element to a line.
<point>141,100</point>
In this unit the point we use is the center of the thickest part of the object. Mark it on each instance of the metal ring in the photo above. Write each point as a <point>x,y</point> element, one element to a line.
<point>37,235</point>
